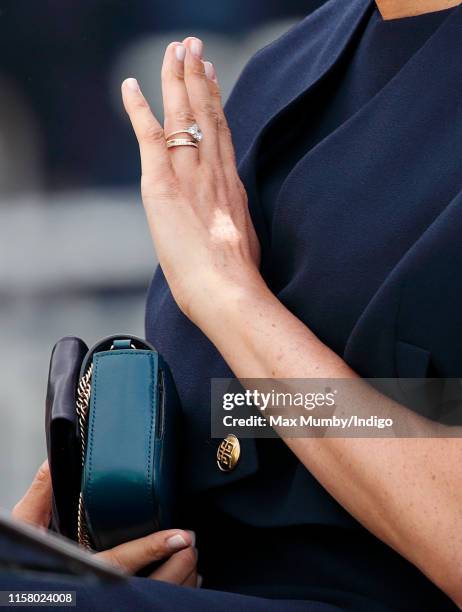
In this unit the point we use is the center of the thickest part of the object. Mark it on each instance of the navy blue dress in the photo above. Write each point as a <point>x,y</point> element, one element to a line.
<point>376,54</point>
<point>345,131</point>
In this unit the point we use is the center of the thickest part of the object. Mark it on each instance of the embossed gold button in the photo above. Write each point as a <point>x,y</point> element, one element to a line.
<point>228,453</point>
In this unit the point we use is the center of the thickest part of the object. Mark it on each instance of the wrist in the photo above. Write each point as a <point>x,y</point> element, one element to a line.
<point>237,320</point>
<point>225,300</point>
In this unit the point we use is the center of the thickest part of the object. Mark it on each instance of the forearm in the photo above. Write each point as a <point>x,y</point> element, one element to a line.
<point>197,199</point>
<point>260,338</point>
<point>405,491</point>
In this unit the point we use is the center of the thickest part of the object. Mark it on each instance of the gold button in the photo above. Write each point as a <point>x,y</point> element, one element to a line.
<point>228,453</point>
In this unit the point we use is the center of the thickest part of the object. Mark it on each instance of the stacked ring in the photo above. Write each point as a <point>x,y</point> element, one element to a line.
<point>193,130</point>
<point>181,142</point>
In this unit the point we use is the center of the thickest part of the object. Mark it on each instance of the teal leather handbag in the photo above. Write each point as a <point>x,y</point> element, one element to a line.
<point>112,424</point>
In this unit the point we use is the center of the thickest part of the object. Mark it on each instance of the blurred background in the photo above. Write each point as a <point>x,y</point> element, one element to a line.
<point>75,254</point>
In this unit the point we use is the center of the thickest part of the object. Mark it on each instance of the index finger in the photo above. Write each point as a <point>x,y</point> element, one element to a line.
<point>137,554</point>
<point>155,160</point>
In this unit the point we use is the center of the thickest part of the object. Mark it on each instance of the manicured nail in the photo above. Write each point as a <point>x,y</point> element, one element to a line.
<point>177,542</point>
<point>199,581</point>
<point>180,52</point>
<point>197,47</point>
<point>193,537</point>
<point>210,71</point>
<point>132,84</point>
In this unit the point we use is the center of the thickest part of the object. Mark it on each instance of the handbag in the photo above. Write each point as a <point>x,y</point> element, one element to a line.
<point>112,429</point>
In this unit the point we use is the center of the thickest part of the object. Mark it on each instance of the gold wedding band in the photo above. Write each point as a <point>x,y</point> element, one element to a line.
<point>181,142</point>
<point>170,136</point>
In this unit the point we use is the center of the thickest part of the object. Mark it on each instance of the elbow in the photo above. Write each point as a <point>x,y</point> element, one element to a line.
<point>454,592</point>
<point>451,582</point>
<point>441,561</point>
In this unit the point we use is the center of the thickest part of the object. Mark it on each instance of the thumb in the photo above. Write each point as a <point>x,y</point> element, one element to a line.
<point>35,506</point>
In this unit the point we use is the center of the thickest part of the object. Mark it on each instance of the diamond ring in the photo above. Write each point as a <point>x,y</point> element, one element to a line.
<point>193,130</point>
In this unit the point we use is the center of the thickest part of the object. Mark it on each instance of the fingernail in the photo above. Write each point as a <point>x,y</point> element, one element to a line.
<point>132,84</point>
<point>199,581</point>
<point>196,47</point>
<point>177,542</point>
<point>193,537</point>
<point>180,52</point>
<point>210,71</point>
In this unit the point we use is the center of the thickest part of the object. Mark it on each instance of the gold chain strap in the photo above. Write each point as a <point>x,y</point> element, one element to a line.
<point>82,405</point>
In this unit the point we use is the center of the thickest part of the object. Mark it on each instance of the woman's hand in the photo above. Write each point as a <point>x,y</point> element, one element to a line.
<point>195,202</point>
<point>175,546</point>
<point>197,211</point>
<point>35,506</point>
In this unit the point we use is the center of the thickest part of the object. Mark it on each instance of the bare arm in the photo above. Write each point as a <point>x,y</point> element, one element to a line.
<point>406,492</point>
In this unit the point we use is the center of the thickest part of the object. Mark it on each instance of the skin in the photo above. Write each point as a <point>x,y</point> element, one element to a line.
<point>406,492</point>
<point>396,9</point>
<point>175,546</point>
